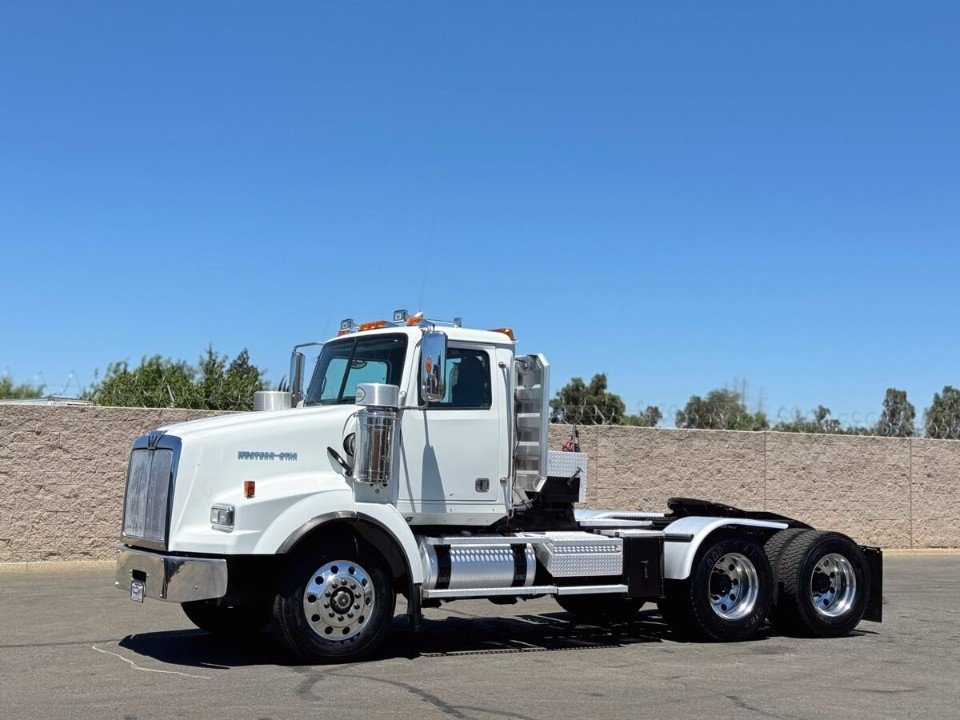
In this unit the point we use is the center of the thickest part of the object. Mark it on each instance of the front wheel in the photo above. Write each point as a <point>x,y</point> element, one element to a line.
<point>728,594</point>
<point>335,603</point>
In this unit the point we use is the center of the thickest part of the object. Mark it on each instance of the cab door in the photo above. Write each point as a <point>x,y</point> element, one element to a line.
<point>452,453</point>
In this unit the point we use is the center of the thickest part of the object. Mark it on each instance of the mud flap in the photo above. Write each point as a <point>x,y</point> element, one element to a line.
<point>874,556</point>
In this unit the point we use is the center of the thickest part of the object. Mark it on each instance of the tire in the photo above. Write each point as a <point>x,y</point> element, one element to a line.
<point>726,601</point>
<point>335,602</point>
<point>600,608</point>
<point>823,585</point>
<point>774,548</point>
<point>228,620</point>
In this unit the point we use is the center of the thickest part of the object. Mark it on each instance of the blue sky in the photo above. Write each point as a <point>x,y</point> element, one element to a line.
<point>679,194</point>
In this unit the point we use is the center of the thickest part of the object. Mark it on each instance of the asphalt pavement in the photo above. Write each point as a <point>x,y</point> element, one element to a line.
<point>72,646</point>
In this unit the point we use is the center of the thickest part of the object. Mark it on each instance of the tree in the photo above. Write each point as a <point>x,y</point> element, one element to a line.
<point>161,382</point>
<point>722,409</point>
<point>11,391</point>
<point>583,404</point>
<point>942,418</point>
<point>821,422</point>
<point>650,417</point>
<point>897,418</point>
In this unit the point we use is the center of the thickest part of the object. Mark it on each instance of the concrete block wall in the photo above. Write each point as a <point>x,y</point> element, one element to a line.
<point>892,492</point>
<point>62,475</point>
<point>62,472</point>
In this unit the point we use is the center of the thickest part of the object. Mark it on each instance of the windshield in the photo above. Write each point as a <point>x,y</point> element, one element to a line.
<point>344,364</point>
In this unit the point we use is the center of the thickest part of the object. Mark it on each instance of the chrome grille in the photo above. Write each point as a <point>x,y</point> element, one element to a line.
<point>149,485</point>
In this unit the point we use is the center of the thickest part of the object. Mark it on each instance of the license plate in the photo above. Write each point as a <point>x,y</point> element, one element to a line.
<point>136,591</point>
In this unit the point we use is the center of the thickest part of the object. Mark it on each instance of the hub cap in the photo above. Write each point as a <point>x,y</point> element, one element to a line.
<point>833,585</point>
<point>338,600</point>
<point>734,586</point>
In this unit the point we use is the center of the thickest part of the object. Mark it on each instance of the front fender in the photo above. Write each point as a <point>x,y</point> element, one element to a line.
<point>281,502</point>
<point>312,512</point>
<point>684,537</point>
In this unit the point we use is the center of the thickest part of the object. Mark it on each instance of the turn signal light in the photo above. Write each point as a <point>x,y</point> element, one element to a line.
<point>249,488</point>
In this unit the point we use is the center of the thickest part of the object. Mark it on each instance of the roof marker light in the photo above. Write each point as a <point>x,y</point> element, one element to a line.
<point>506,331</point>
<point>373,325</point>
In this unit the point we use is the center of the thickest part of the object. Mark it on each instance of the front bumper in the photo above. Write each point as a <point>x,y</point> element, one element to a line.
<point>171,577</point>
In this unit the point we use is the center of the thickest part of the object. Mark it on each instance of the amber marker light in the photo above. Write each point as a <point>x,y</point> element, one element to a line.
<point>373,325</point>
<point>249,488</point>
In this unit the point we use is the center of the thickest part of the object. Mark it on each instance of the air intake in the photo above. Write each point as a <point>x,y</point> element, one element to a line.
<point>376,427</point>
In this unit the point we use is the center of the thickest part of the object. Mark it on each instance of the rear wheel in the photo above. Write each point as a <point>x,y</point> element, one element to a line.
<point>335,603</point>
<point>774,548</point>
<point>600,608</point>
<point>728,594</point>
<point>225,620</point>
<point>823,585</point>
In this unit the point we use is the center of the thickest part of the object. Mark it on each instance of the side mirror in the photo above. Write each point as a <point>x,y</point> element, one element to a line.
<point>433,361</point>
<point>296,377</point>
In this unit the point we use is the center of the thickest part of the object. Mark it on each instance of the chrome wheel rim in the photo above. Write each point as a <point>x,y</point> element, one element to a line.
<point>338,600</point>
<point>734,586</point>
<point>833,585</point>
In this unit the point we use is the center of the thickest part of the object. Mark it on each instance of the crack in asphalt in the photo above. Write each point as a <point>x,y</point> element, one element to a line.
<point>306,690</point>
<point>133,665</point>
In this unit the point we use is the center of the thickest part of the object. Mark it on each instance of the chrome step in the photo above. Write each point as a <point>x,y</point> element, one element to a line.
<point>525,591</point>
<point>528,448</point>
<point>529,393</point>
<point>528,421</point>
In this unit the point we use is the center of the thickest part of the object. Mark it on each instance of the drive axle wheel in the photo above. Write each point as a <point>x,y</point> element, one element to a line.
<point>335,604</point>
<point>823,585</point>
<point>728,593</point>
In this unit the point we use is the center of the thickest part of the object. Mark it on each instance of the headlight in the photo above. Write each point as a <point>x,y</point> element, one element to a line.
<point>221,517</point>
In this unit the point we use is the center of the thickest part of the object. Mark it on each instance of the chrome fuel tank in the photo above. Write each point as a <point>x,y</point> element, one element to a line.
<point>466,566</point>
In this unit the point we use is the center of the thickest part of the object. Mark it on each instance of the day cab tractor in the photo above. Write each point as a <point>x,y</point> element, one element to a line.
<point>415,462</point>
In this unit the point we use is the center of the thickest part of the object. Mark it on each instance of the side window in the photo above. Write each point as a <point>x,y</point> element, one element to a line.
<point>467,377</point>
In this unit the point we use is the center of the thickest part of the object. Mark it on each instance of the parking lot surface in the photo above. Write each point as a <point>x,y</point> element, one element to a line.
<point>72,646</point>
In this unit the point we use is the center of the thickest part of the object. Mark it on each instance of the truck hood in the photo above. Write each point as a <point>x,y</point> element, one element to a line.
<point>255,423</point>
<point>284,452</point>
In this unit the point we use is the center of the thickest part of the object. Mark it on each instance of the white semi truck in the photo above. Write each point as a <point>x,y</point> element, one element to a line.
<point>415,462</point>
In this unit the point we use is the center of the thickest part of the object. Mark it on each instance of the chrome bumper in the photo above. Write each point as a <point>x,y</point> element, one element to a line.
<point>171,577</point>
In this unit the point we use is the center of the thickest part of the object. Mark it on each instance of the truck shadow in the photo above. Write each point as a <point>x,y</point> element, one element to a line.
<point>454,635</point>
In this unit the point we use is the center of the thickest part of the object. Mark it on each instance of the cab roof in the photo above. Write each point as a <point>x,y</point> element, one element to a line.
<point>455,334</point>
